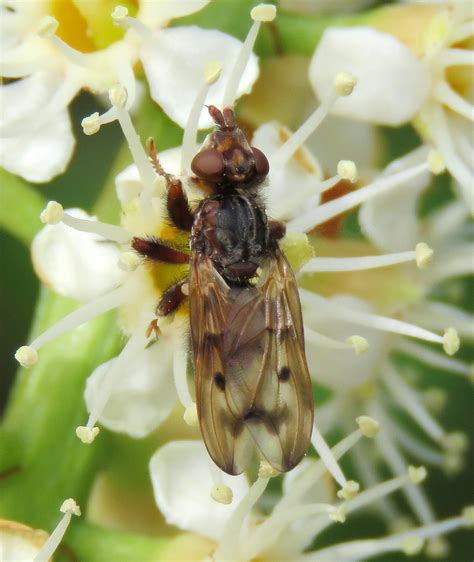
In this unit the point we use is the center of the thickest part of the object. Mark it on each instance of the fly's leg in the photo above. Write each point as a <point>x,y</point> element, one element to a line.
<point>277,229</point>
<point>176,201</point>
<point>159,250</point>
<point>173,297</point>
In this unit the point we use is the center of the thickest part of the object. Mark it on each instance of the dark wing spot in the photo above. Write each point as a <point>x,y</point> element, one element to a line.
<point>219,380</point>
<point>254,414</point>
<point>284,374</point>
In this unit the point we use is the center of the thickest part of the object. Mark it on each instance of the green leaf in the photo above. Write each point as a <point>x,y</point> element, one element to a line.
<point>20,207</point>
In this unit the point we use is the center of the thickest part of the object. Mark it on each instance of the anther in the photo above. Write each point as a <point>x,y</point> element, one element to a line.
<point>423,255</point>
<point>417,474</point>
<point>263,12</point>
<point>349,490</point>
<point>339,514</point>
<point>436,162</point>
<point>212,72</point>
<point>91,124</point>
<point>347,170</point>
<point>451,341</point>
<point>53,213</point>
<point>118,95</point>
<point>87,434</point>
<point>222,494</point>
<point>119,13</point>
<point>266,470</point>
<point>360,344</point>
<point>344,83</point>
<point>412,546</point>
<point>368,426</point>
<point>27,356</point>
<point>185,289</point>
<point>468,514</point>
<point>457,442</point>
<point>47,27</point>
<point>190,416</point>
<point>129,261</point>
<point>70,506</point>
<point>437,547</point>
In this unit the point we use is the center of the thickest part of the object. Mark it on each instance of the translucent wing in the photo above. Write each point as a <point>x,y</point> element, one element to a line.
<point>252,382</point>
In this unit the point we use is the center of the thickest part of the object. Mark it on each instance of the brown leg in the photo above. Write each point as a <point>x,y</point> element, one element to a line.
<point>177,202</point>
<point>178,206</point>
<point>172,298</point>
<point>277,229</point>
<point>158,250</point>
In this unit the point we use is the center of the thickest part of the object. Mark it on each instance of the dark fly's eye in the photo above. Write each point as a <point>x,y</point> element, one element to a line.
<point>208,165</point>
<point>262,167</point>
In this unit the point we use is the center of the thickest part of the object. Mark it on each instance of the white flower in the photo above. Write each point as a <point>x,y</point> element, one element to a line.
<point>424,75</point>
<point>140,191</point>
<point>19,542</point>
<point>35,130</point>
<point>240,531</point>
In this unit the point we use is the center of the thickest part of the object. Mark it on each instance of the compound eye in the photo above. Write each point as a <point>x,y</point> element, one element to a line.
<point>208,165</point>
<point>262,167</point>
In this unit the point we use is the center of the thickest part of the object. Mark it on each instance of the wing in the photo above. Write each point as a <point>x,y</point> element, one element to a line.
<point>252,382</point>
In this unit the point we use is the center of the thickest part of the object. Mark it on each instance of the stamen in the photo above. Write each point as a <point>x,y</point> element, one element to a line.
<point>358,343</point>
<point>308,220</point>
<point>26,354</point>
<point>69,508</point>
<point>180,366</point>
<point>446,95</point>
<point>327,457</point>
<point>395,461</point>
<point>309,477</point>
<point>212,73</point>
<point>135,344</point>
<point>421,255</point>
<point>415,447</point>
<point>54,214</point>
<point>47,30</point>
<point>118,95</point>
<point>437,315</point>
<point>260,13</point>
<point>436,162</point>
<point>122,19</point>
<point>407,399</point>
<point>455,57</point>
<point>373,321</point>
<point>434,359</point>
<point>367,548</point>
<point>230,539</point>
<point>462,32</point>
<point>266,534</point>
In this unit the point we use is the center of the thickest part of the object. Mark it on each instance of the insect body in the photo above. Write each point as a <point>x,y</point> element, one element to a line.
<point>252,383</point>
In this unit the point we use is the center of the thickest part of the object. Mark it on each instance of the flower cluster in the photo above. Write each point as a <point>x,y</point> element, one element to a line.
<point>366,302</point>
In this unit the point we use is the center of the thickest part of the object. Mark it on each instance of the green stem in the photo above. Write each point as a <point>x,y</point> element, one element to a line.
<point>45,408</point>
<point>96,544</point>
<point>20,206</point>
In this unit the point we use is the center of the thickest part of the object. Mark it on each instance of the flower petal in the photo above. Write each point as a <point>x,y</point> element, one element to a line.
<point>32,146</point>
<point>343,371</point>
<point>339,138</point>
<point>144,396</point>
<point>76,264</point>
<point>287,188</point>
<point>159,13</point>
<point>391,85</point>
<point>41,154</point>
<point>174,63</point>
<point>390,220</point>
<point>19,542</point>
<point>182,482</point>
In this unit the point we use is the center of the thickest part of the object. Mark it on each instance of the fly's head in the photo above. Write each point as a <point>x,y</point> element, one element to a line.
<point>226,159</point>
